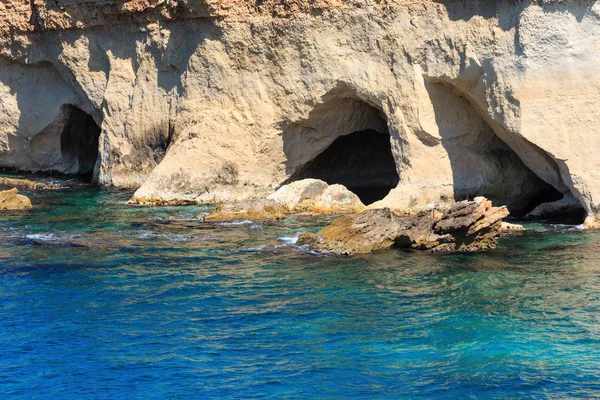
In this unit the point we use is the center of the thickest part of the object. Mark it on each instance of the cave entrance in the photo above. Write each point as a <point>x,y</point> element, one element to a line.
<point>79,141</point>
<point>361,161</point>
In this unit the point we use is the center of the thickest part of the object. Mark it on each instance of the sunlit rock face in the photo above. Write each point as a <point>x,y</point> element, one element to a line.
<point>214,100</point>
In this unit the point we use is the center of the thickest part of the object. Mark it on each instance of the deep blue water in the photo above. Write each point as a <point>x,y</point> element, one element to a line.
<point>103,300</point>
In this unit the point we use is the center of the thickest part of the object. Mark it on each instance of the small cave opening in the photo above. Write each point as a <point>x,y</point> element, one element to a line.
<point>486,159</point>
<point>545,194</point>
<point>79,141</point>
<point>361,161</point>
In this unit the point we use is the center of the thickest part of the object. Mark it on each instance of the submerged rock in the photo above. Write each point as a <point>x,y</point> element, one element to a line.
<point>27,184</point>
<point>11,200</point>
<point>465,227</point>
<point>260,210</point>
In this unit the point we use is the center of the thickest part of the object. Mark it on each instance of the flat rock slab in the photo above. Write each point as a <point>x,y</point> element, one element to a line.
<point>467,226</point>
<point>259,210</point>
<point>26,184</point>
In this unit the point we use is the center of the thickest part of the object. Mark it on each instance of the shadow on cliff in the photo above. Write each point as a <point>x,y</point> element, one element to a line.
<point>509,12</point>
<point>481,163</point>
<point>160,52</point>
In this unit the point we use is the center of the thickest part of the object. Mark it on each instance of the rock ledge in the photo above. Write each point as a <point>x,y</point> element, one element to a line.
<point>467,226</point>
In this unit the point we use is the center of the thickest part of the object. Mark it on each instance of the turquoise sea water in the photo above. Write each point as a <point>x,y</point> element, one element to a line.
<point>103,300</point>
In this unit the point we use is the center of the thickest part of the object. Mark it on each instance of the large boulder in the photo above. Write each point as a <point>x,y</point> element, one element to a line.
<point>317,197</point>
<point>308,195</point>
<point>11,200</point>
<point>465,227</point>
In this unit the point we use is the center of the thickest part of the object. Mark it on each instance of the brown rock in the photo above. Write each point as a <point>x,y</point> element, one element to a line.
<point>357,233</point>
<point>11,200</point>
<point>27,184</point>
<point>260,210</point>
<point>467,226</point>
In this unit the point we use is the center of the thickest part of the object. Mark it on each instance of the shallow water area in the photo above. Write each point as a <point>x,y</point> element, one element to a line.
<point>100,299</point>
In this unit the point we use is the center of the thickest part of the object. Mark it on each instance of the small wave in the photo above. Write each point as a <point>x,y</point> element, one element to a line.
<point>234,223</point>
<point>154,235</point>
<point>568,227</point>
<point>49,237</point>
<point>289,239</point>
<point>253,249</point>
<point>40,236</point>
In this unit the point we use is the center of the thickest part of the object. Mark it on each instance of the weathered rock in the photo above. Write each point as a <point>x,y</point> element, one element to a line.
<point>317,197</point>
<point>27,184</point>
<point>465,227</point>
<point>11,200</point>
<point>202,101</point>
<point>357,233</point>
<point>260,210</point>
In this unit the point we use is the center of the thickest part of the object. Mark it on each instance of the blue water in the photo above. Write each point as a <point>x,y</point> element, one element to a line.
<point>103,300</point>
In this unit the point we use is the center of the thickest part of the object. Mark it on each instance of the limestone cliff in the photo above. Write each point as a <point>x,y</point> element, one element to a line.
<point>217,100</point>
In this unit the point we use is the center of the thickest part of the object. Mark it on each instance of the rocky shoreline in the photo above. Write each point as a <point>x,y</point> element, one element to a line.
<point>465,226</point>
<point>404,103</point>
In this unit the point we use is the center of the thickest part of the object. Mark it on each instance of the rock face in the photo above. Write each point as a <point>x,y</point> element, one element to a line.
<point>465,227</point>
<point>214,100</point>
<point>11,200</point>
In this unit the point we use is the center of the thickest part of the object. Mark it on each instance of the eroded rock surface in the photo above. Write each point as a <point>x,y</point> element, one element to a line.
<point>215,101</point>
<point>11,200</point>
<point>465,227</point>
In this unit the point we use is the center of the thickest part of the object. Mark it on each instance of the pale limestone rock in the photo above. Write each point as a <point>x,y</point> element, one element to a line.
<point>225,100</point>
<point>308,196</point>
<point>317,197</point>
<point>508,227</point>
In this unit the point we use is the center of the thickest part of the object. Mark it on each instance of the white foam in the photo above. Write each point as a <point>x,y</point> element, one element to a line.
<point>41,236</point>
<point>154,235</point>
<point>234,223</point>
<point>289,239</point>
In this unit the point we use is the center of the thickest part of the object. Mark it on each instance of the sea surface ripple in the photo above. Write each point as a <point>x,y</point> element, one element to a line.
<point>99,299</point>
